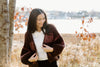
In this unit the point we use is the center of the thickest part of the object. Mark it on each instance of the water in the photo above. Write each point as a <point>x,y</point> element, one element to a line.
<point>70,26</point>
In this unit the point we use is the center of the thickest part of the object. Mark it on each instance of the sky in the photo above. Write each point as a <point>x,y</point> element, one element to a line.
<point>61,5</point>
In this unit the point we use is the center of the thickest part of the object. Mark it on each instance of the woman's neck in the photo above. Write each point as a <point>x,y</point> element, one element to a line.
<point>39,29</point>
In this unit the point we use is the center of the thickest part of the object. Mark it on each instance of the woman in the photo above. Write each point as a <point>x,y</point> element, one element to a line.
<point>43,43</point>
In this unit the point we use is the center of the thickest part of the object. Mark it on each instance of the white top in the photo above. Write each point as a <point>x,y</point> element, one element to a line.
<point>38,38</point>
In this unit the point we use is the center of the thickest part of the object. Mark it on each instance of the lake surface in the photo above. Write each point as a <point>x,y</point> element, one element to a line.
<point>70,26</point>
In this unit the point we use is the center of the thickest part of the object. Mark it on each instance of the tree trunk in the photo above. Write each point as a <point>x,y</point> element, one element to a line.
<point>4,33</point>
<point>6,29</point>
<point>11,16</point>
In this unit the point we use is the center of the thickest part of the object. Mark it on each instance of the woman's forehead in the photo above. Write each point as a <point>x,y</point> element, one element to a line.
<point>41,16</point>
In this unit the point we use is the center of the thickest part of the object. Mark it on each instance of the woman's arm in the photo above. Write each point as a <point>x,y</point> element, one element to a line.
<point>58,43</point>
<point>26,53</point>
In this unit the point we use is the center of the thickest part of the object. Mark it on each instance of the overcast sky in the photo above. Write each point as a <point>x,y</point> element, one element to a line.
<point>61,5</point>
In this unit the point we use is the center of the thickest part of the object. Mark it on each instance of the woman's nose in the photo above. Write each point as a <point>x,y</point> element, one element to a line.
<point>42,21</point>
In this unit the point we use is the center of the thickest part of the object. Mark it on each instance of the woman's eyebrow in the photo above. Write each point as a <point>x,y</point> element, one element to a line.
<point>42,17</point>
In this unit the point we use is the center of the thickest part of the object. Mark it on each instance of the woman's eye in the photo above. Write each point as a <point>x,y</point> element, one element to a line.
<point>39,19</point>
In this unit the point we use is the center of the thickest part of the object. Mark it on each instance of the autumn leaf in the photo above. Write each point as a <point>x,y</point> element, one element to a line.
<point>17,13</point>
<point>22,8</point>
<point>86,35</point>
<point>77,35</point>
<point>26,19</point>
<point>82,21</point>
<point>17,28</point>
<point>93,37</point>
<point>16,24</point>
<point>19,17</point>
<point>94,34</point>
<point>21,26</point>
<point>85,30</point>
<point>81,35</point>
<point>31,8</point>
<point>15,17</point>
<point>81,27</point>
<point>84,38</point>
<point>76,32</point>
<point>26,23</point>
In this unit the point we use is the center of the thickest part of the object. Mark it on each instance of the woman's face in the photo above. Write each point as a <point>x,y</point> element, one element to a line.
<point>40,20</point>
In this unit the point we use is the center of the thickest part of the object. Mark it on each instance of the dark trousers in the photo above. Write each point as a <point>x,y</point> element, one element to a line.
<point>46,63</point>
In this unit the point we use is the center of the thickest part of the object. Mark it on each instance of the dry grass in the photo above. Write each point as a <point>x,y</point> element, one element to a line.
<point>77,53</point>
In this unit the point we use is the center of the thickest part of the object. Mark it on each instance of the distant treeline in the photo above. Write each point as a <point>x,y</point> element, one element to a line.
<point>63,14</point>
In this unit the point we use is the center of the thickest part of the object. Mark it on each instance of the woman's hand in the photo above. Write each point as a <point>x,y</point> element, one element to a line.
<point>47,48</point>
<point>33,58</point>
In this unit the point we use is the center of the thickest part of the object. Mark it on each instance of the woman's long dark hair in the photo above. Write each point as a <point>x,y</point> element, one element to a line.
<point>32,20</point>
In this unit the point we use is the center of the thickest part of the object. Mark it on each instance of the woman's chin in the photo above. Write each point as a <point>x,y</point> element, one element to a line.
<point>41,26</point>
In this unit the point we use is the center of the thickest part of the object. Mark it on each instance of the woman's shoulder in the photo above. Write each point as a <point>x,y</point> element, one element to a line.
<point>51,26</point>
<point>27,34</point>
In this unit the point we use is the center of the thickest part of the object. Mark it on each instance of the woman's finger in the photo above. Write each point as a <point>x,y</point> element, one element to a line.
<point>34,55</point>
<point>44,45</point>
